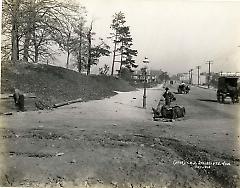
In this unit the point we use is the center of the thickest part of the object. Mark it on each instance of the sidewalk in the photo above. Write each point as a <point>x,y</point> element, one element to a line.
<point>205,87</point>
<point>125,106</point>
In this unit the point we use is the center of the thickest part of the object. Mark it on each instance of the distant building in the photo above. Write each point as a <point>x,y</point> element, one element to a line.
<point>138,75</point>
<point>203,78</point>
<point>184,77</point>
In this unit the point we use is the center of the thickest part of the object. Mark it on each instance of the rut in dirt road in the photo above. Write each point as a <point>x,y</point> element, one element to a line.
<point>225,175</point>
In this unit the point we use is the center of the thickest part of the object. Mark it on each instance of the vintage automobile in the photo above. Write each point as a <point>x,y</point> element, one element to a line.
<point>183,88</point>
<point>228,87</point>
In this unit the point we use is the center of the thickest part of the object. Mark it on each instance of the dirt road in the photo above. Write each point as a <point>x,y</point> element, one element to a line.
<point>115,143</point>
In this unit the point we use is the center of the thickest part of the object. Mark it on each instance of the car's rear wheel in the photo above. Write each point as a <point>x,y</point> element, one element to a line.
<point>222,99</point>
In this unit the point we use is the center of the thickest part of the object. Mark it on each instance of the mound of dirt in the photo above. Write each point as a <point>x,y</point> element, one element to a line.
<point>51,84</point>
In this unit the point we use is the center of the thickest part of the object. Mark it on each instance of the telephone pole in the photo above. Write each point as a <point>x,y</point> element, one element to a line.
<point>198,80</point>
<point>209,71</point>
<point>190,74</point>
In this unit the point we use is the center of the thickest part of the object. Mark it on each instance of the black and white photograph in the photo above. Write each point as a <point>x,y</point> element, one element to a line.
<point>120,93</point>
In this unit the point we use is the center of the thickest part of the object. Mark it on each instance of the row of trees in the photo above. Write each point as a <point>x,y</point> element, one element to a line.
<point>37,30</point>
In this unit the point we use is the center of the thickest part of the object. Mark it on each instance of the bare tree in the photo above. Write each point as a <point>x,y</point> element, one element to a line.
<point>48,17</point>
<point>95,51</point>
<point>32,25</point>
<point>11,15</point>
<point>79,45</point>
<point>70,31</point>
<point>89,37</point>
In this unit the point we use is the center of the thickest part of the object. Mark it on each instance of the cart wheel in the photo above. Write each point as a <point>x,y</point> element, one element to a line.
<point>222,99</point>
<point>174,114</point>
<point>183,111</point>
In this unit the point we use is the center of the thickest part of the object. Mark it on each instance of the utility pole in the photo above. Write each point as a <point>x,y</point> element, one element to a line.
<point>144,88</point>
<point>198,81</point>
<point>145,82</point>
<point>209,71</point>
<point>189,76</point>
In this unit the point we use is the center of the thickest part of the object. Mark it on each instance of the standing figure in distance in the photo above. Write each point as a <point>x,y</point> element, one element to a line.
<point>18,99</point>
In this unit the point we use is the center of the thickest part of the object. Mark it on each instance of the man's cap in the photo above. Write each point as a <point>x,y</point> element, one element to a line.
<point>166,88</point>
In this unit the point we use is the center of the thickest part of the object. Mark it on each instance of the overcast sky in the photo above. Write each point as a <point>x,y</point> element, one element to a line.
<point>175,35</point>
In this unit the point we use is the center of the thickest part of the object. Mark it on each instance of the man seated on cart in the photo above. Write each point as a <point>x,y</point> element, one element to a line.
<point>168,96</point>
<point>167,110</point>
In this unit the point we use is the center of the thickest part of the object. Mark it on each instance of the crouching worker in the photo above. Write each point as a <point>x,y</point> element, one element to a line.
<point>168,96</point>
<point>18,99</point>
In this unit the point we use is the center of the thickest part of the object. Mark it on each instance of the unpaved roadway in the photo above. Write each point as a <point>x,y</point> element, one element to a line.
<point>115,143</point>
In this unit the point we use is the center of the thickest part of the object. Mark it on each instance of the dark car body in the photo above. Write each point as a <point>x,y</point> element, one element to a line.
<point>182,88</point>
<point>228,87</point>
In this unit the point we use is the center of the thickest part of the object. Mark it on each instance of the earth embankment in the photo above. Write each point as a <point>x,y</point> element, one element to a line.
<point>51,84</point>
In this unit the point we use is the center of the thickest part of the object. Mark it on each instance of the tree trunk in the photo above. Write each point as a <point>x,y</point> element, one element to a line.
<point>121,59</point>
<point>79,64</point>
<point>26,47</point>
<point>34,39</point>
<point>28,31</point>
<point>89,49</point>
<point>68,49</point>
<point>14,32</point>
<point>27,41</point>
<point>89,60</point>
<point>80,55</point>
<point>114,53</point>
<point>36,55</point>
<point>35,49</point>
<point>80,60</point>
<point>14,46</point>
<point>68,55</point>
<point>18,46</point>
